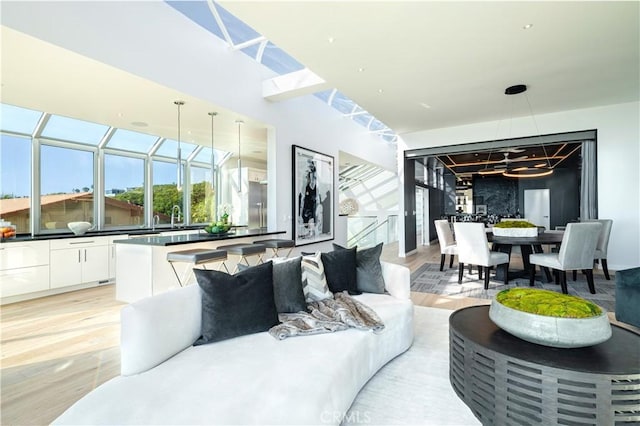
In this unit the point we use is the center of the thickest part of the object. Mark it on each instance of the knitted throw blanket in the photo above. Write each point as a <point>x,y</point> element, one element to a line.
<point>328,316</point>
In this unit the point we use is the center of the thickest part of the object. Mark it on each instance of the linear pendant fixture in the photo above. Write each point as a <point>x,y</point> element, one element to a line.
<point>213,169</point>
<point>213,159</point>
<point>240,123</point>
<point>179,172</point>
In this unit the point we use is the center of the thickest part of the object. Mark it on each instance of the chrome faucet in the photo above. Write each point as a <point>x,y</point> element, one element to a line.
<point>154,222</point>
<point>175,209</point>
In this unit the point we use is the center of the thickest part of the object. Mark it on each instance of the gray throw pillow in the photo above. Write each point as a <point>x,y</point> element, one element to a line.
<point>235,305</point>
<point>287,285</point>
<point>340,268</point>
<point>368,269</point>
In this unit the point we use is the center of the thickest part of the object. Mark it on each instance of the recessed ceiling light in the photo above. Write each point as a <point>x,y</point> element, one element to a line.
<point>423,105</point>
<point>360,69</point>
<point>331,39</point>
<point>380,91</point>
<point>139,124</point>
<point>526,27</point>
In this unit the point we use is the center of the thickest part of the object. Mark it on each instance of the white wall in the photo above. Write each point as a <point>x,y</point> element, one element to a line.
<point>154,41</point>
<point>618,132</point>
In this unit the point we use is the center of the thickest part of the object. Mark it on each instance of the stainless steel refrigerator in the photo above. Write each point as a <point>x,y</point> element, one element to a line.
<point>257,199</point>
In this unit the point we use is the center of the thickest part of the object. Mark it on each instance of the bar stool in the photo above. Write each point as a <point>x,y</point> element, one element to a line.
<point>244,251</point>
<point>196,257</point>
<point>276,245</point>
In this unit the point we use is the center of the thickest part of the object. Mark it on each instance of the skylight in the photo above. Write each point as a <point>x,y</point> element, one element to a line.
<point>131,141</point>
<point>226,26</point>
<point>18,120</point>
<point>72,129</point>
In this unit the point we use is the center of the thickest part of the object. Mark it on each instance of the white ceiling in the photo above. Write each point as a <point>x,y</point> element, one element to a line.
<point>447,63</point>
<point>454,57</point>
<point>36,75</point>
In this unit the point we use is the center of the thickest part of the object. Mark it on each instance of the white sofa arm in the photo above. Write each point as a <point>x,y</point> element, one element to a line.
<point>397,280</point>
<point>154,329</point>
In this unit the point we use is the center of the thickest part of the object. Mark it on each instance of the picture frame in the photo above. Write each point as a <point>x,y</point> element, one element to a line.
<point>481,209</point>
<point>313,194</point>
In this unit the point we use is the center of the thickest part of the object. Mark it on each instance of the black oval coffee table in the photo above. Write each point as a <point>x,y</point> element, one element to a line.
<point>506,380</point>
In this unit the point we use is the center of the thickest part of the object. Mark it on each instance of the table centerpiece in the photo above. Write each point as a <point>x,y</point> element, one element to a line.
<point>515,228</point>
<point>549,318</point>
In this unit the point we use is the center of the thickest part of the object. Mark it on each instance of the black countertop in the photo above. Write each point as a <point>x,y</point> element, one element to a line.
<point>201,237</point>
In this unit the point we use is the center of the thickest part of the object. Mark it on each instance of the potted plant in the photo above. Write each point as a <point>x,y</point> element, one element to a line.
<point>515,228</point>
<point>550,318</point>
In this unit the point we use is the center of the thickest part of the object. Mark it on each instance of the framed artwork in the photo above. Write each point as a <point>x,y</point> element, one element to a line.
<point>313,211</point>
<point>481,209</point>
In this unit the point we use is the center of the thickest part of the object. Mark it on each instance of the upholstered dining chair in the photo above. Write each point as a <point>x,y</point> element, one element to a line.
<point>603,243</point>
<point>576,252</point>
<point>473,249</point>
<point>447,243</point>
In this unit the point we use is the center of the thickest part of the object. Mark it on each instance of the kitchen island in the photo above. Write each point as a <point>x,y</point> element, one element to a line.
<point>142,269</point>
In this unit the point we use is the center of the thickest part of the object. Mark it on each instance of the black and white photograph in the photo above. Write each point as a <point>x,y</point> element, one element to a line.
<point>313,196</point>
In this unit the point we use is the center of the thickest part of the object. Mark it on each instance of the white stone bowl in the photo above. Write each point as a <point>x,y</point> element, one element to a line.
<point>551,331</point>
<point>79,228</point>
<point>515,232</point>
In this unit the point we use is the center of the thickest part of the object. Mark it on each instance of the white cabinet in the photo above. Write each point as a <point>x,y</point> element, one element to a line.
<point>24,267</point>
<point>112,254</point>
<point>79,260</point>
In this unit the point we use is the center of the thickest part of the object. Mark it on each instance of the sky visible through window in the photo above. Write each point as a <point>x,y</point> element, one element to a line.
<point>64,170</point>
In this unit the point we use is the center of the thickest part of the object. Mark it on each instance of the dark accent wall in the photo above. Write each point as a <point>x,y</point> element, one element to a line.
<point>505,196</point>
<point>498,193</point>
<point>564,195</point>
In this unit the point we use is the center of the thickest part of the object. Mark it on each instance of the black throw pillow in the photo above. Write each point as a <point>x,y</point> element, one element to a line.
<point>235,305</point>
<point>368,269</point>
<point>340,270</point>
<point>287,284</point>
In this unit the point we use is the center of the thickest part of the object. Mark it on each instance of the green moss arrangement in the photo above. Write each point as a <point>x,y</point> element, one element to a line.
<point>514,224</point>
<point>547,303</point>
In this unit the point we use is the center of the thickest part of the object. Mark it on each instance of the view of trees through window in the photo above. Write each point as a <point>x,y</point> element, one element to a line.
<point>69,170</point>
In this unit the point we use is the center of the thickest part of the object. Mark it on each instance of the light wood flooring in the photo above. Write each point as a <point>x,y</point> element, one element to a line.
<point>56,349</point>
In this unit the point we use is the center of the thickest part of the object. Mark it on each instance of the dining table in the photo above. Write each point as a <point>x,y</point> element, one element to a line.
<point>527,246</point>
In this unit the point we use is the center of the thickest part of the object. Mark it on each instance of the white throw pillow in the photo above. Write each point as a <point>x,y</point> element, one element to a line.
<point>314,282</point>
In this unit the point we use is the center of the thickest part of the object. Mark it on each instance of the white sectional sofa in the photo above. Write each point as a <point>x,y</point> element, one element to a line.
<point>252,379</point>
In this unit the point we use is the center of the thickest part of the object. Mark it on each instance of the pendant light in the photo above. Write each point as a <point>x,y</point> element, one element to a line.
<point>240,123</point>
<point>538,170</point>
<point>213,159</point>
<point>213,169</point>
<point>179,173</point>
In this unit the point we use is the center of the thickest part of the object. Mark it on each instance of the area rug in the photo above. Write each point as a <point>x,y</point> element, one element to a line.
<point>429,279</point>
<point>414,388</point>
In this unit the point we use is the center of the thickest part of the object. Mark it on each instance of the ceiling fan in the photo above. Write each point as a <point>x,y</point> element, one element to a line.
<point>508,160</point>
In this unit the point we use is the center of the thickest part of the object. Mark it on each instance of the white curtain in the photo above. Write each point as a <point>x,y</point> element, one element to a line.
<point>588,206</point>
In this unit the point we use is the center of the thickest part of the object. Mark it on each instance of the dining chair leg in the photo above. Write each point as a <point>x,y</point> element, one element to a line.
<point>486,275</point>
<point>442,257</point>
<point>605,269</point>
<point>575,275</point>
<point>563,281</point>
<point>451,261</point>
<point>460,271</point>
<point>592,288</point>
<point>470,268</point>
<point>532,275</point>
<point>480,272</point>
<point>556,276</point>
<point>506,274</point>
